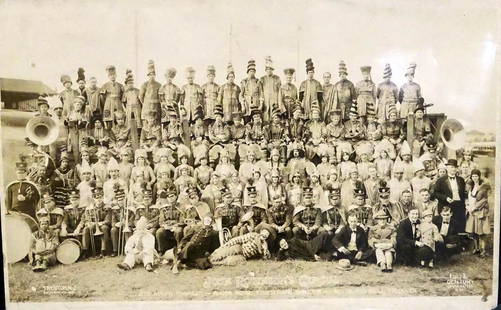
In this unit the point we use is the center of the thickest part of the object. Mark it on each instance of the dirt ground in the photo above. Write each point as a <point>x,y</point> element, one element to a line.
<point>101,280</point>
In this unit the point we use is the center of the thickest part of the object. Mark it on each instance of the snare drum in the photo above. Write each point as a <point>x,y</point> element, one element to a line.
<point>19,228</point>
<point>68,251</point>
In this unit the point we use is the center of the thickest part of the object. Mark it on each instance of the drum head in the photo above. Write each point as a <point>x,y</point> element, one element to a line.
<point>68,251</point>
<point>18,236</point>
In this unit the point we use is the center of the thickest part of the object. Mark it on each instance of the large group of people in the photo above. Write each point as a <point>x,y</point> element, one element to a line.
<point>217,174</point>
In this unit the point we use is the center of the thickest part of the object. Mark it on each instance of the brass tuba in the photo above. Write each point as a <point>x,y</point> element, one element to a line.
<point>42,130</point>
<point>453,134</point>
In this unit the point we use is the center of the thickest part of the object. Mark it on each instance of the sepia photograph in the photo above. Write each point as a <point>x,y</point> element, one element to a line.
<point>250,154</point>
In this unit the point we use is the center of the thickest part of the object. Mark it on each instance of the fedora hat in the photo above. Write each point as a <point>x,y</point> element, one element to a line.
<point>344,264</point>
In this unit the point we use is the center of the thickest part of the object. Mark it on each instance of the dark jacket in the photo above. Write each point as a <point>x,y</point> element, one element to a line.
<point>452,232</point>
<point>443,190</point>
<point>342,238</point>
<point>405,236</point>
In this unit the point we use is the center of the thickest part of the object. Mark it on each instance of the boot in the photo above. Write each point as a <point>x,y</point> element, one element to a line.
<point>123,266</point>
<point>148,267</point>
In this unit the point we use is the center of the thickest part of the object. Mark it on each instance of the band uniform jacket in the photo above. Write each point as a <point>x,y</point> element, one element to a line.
<point>72,218</point>
<point>67,98</point>
<point>133,106</point>
<point>280,215</point>
<point>387,95</point>
<point>196,243</point>
<point>171,215</point>
<point>345,95</point>
<point>408,96</point>
<point>354,130</point>
<point>364,214</point>
<point>333,217</point>
<point>230,214</point>
<point>228,97</point>
<point>150,98</point>
<point>443,190</point>
<point>343,237</point>
<point>209,95</point>
<point>309,216</point>
<point>310,92</point>
<point>111,94</point>
<point>169,94</point>
<point>31,197</point>
<point>289,97</point>
<point>191,97</point>
<point>272,95</point>
<point>366,96</point>
<point>251,95</point>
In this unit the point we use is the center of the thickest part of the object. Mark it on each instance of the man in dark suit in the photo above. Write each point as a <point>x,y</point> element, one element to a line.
<point>450,190</point>
<point>447,227</point>
<point>409,249</point>
<point>351,242</point>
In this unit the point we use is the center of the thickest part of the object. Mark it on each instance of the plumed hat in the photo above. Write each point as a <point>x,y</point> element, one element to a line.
<point>411,70</point>
<point>251,65</point>
<point>387,71</point>
<point>128,76</point>
<point>309,65</point>
<point>199,112</point>
<point>268,62</point>
<point>353,108</point>
<point>80,75</point>
<point>229,70</point>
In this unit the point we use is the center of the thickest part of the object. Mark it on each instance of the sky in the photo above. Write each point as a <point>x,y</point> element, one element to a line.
<point>454,44</point>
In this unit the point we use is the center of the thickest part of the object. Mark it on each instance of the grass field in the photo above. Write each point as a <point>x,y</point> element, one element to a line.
<point>101,280</point>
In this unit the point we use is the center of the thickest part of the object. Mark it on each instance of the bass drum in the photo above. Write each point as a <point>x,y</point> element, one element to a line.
<point>68,251</point>
<point>19,228</point>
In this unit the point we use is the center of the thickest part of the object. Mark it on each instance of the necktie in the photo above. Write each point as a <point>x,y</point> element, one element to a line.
<point>414,225</point>
<point>446,223</point>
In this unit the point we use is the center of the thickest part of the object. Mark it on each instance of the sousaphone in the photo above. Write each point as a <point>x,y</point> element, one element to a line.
<point>453,134</point>
<point>42,130</point>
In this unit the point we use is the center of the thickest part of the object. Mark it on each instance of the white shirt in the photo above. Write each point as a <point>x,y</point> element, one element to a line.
<point>352,245</point>
<point>444,229</point>
<point>454,188</point>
